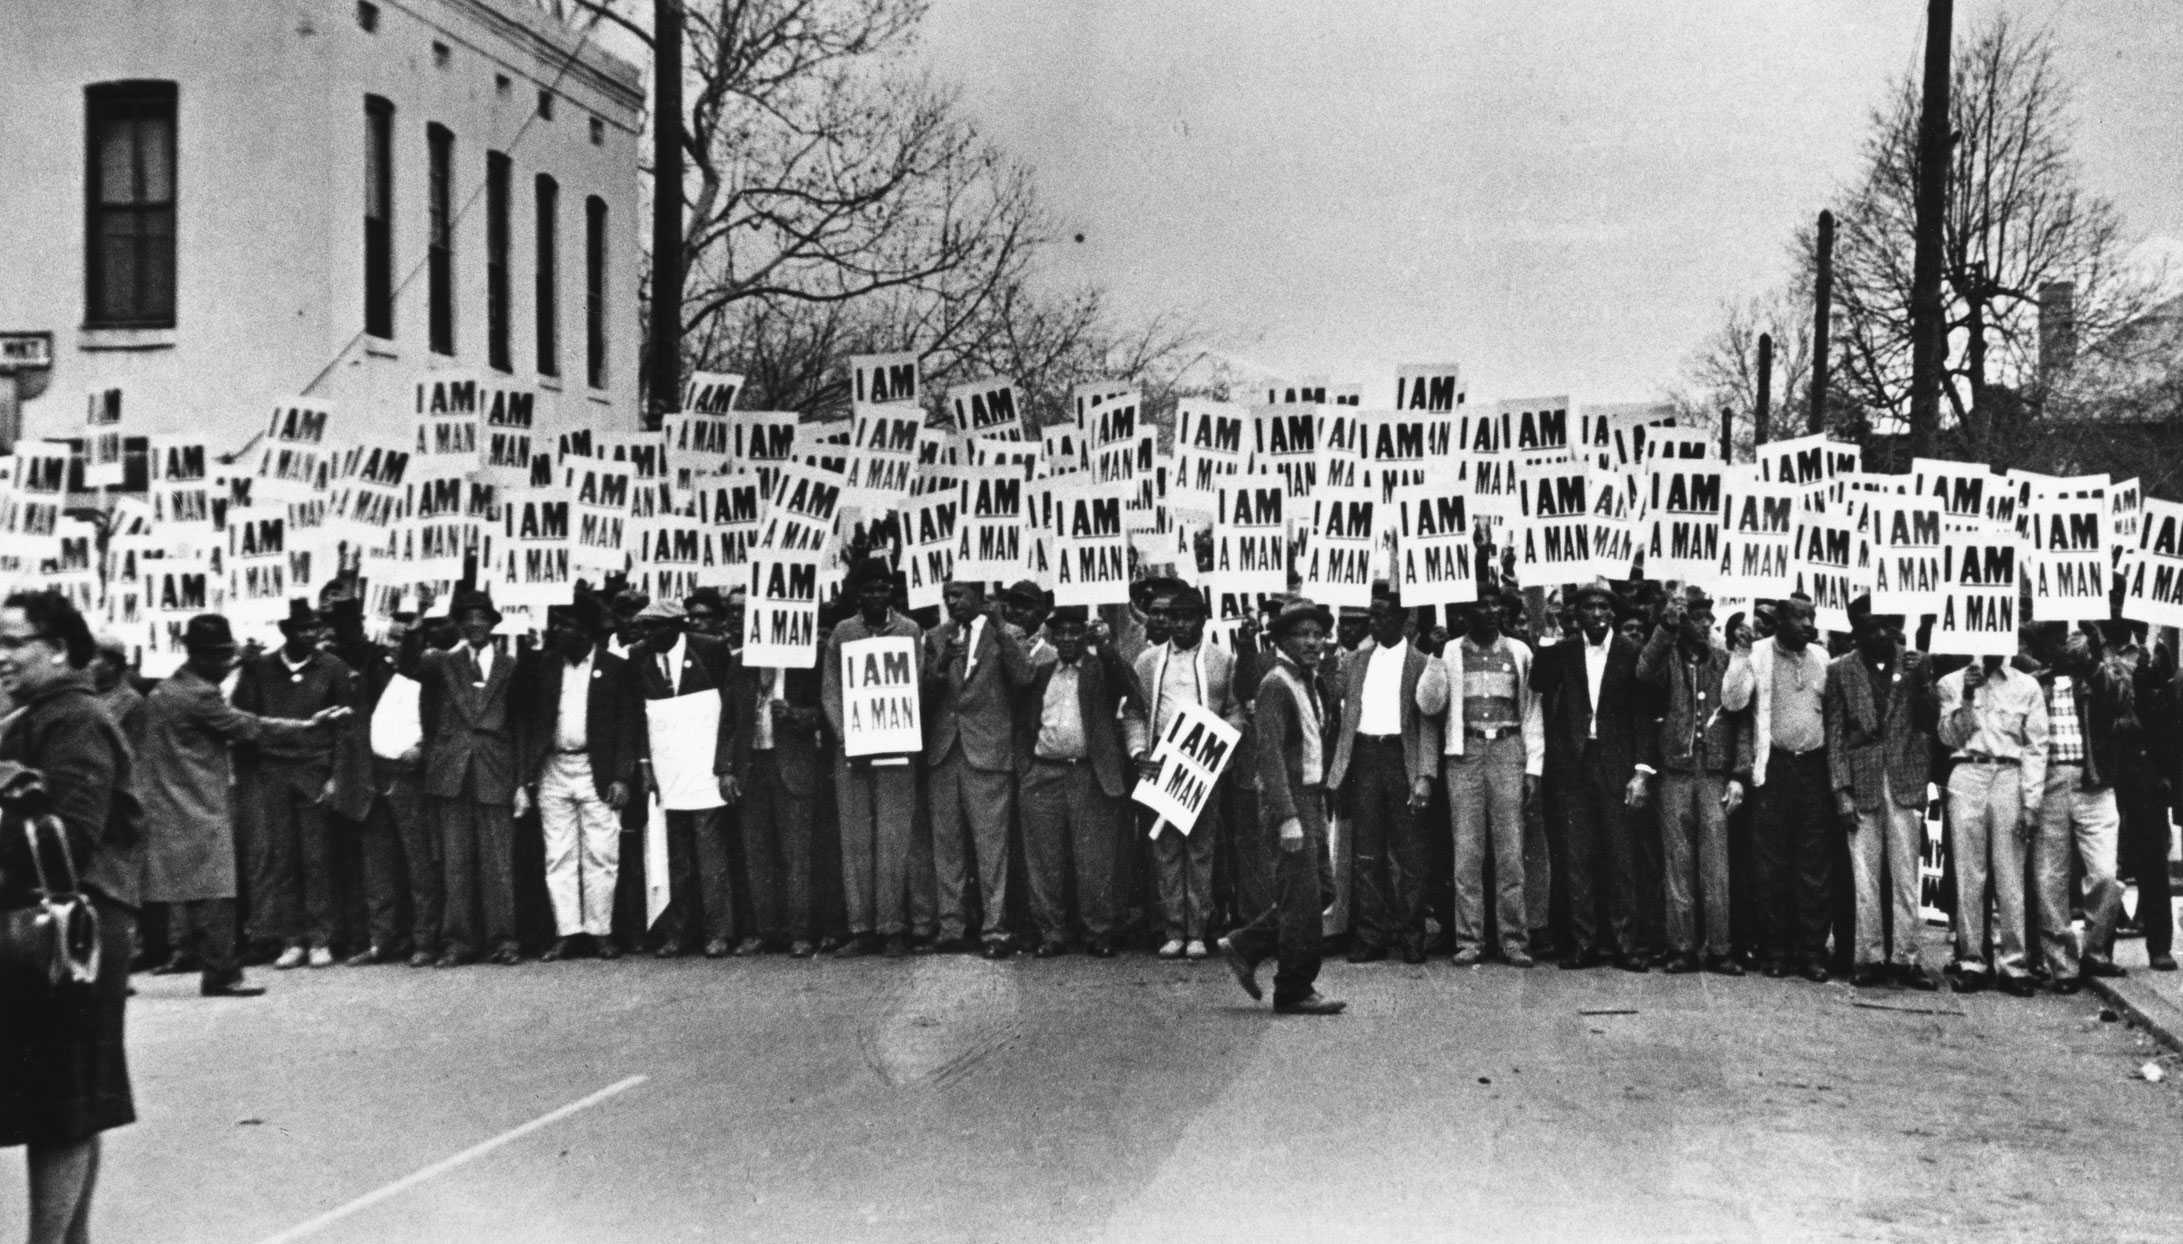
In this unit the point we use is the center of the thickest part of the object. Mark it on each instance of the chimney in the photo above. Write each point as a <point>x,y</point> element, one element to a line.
<point>2057,328</point>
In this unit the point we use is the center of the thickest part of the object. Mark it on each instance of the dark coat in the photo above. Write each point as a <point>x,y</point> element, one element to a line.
<point>183,781</point>
<point>796,727</point>
<point>471,745</point>
<point>1868,743</point>
<point>1277,723</point>
<point>1565,696</point>
<point>1692,708</point>
<point>1099,693</point>
<point>976,711</point>
<point>267,689</point>
<point>613,718</point>
<point>706,666</point>
<point>1420,734</point>
<point>65,734</point>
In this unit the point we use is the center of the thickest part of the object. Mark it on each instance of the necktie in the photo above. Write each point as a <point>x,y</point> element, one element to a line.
<point>667,669</point>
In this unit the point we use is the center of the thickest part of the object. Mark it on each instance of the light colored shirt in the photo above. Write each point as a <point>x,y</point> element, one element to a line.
<point>2065,734</point>
<point>670,664</point>
<point>1381,711</point>
<point>1311,743</point>
<point>1182,681</point>
<point>1595,675</point>
<point>1061,715</point>
<point>2006,719</point>
<point>570,725</point>
<point>484,658</point>
<point>1800,680</point>
<point>1489,687</point>
<point>761,734</point>
<point>970,644</point>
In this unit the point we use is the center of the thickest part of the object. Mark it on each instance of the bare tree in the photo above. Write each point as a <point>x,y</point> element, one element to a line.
<point>2017,219</point>
<point>1723,374</point>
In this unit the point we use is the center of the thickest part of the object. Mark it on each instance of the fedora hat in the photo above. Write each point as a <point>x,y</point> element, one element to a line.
<point>1297,611</point>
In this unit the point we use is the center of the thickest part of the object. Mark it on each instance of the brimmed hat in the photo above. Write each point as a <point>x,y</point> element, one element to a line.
<point>662,610</point>
<point>471,600</point>
<point>1070,613</point>
<point>1296,611</point>
<point>300,614</point>
<point>869,570</point>
<point>1187,600</point>
<point>207,630</point>
<point>1156,587</point>
<point>1024,591</point>
<point>1695,596</point>
<point>584,611</point>
<point>709,597</point>
<point>1597,589</point>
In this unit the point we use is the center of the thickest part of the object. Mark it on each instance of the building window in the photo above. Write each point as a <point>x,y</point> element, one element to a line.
<point>442,55</point>
<point>598,132</point>
<point>595,292</point>
<point>378,217</point>
<point>440,259</point>
<point>549,275</point>
<point>545,105</point>
<point>502,84</point>
<point>496,260</point>
<point>367,16</point>
<point>129,242</point>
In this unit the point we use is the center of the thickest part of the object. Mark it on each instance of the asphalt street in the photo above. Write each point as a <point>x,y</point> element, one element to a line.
<point>942,1099</point>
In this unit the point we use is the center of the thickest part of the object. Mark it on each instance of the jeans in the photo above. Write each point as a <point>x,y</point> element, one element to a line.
<point>1894,837</point>
<point>1694,842</point>
<point>2084,820</point>
<point>1486,805</point>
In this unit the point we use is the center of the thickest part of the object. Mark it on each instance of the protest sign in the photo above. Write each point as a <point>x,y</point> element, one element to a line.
<point>257,566</point>
<point>295,461</point>
<point>1675,444</point>
<point>763,440</point>
<point>2067,562</point>
<point>880,710</point>
<point>1613,436</point>
<point>1614,532</point>
<point>1064,449</point>
<point>1212,440</point>
<point>1980,571</point>
<point>1337,562</point>
<point>651,486</point>
<point>1112,432</point>
<point>986,408</point>
<point>1250,535</point>
<point>1338,434</point>
<point>993,523</point>
<point>885,379</point>
<point>710,392</point>
<point>1091,544</point>
<point>1554,540</point>
<point>1960,487</point>
<point>508,414</point>
<point>697,446</point>
<point>180,484</point>
<point>1400,446</point>
<point>1436,388</point>
<point>883,441</point>
<point>1683,516</point>
<point>2153,572</point>
<point>1758,526</point>
<point>1286,442</point>
<point>32,518</point>
<point>781,610</point>
<point>1436,552</point>
<point>928,553</point>
<point>1822,565</point>
<point>536,557</point>
<point>444,517</point>
<point>103,453</point>
<point>1193,751</point>
<point>599,514</point>
<point>731,504</point>
<point>2124,503</point>
<point>1534,425</point>
<point>1908,542</point>
<point>800,515</point>
<point>367,497</point>
<point>446,422</point>
<point>674,557</point>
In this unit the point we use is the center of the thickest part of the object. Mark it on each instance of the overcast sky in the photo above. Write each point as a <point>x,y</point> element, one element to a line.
<point>1556,195</point>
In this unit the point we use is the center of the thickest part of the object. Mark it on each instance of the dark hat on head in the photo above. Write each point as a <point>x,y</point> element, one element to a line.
<point>1157,586</point>
<point>629,603</point>
<point>1860,606</point>
<point>709,597</point>
<point>300,614</point>
<point>1695,596</point>
<point>1024,591</point>
<point>1069,613</point>
<point>1597,589</point>
<point>207,630</point>
<point>1295,612</point>
<point>584,611</point>
<point>344,609</point>
<point>1384,590</point>
<point>869,570</point>
<point>470,600</point>
<point>1187,600</point>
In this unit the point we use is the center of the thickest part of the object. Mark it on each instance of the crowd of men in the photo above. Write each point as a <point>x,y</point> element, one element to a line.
<point>1605,778</point>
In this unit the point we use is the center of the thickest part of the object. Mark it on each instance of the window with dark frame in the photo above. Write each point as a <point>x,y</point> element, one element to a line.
<point>549,275</point>
<point>496,260</point>
<point>378,217</point>
<point>129,269</point>
<point>440,258</point>
<point>595,292</point>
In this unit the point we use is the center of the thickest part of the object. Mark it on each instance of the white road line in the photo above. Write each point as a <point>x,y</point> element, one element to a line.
<point>447,1164</point>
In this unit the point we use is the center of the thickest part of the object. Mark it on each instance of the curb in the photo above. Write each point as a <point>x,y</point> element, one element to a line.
<point>2121,1001</point>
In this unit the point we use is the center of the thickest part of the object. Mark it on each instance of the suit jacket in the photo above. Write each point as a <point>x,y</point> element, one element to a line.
<point>472,741</point>
<point>267,689</point>
<point>796,728</point>
<point>1099,696</point>
<point>1565,696</point>
<point>1870,744</point>
<point>848,631</point>
<point>613,718</point>
<point>705,664</point>
<point>976,710</point>
<point>1421,741</point>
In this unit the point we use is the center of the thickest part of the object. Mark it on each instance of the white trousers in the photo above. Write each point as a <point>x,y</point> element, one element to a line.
<point>583,847</point>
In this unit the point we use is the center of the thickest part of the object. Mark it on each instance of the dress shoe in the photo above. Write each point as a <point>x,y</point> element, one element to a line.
<point>1972,982</point>
<point>1680,965</point>
<point>179,965</point>
<point>749,946</point>
<point>321,957</point>
<point>1724,965</point>
<point>293,957</point>
<point>1172,948</point>
<point>1246,972</point>
<point>2069,985</point>
<point>420,958</point>
<point>956,945</point>
<point>2162,962</point>
<point>560,950</point>
<point>1099,948</point>
<point>1361,953</point>
<point>667,950</point>
<point>366,957</point>
<point>1412,952</point>
<point>2129,927</point>
<point>717,948</point>
<point>1050,950</point>
<point>800,949</point>
<point>856,946</point>
<point>897,946</point>
<point>230,989</point>
<point>453,959</point>
<point>2104,968</point>
<point>1518,957</point>
<point>1774,969</point>
<point>1194,949</point>
<point>1310,1004</point>
<point>1867,976</point>
<point>1816,973</point>
<point>2018,984</point>
<point>1634,963</point>
<point>996,948</point>
<point>1913,976</point>
<point>608,948</point>
<point>1467,957</point>
<point>1581,960</point>
<point>507,957</point>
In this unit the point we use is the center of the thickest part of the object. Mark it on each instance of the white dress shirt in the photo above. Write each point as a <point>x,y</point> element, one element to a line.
<point>570,726</point>
<point>1381,711</point>
<point>1595,673</point>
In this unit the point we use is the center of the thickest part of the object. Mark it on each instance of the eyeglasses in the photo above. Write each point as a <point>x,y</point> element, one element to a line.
<point>10,643</point>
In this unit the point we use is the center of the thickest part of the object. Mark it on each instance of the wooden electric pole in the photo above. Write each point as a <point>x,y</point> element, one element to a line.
<point>1928,328</point>
<point>664,388</point>
<point>1762,414</point>
<point>1815,419</point>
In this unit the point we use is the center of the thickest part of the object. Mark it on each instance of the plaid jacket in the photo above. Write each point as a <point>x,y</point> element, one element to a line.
<point>1868,742</point>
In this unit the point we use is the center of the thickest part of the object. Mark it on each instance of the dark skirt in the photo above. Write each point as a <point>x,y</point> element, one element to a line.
<point>63,1076</point>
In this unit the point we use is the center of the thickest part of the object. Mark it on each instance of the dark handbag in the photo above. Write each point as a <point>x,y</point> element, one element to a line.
<point>56,938</point>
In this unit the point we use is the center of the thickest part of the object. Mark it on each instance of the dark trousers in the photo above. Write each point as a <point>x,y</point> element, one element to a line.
<point>886,855</point>
<point>477,867</point>
<point>1598,853</point>
<point>2143,856</point>
<point>1387,877</point>
<point>1289,930</point>
<point>291,865</point>
<point>1071,829</point>
<point>1250,853</point>
<point>403,894</point>
<point>971,811</point>
<point>1648,859</point>
<point>208,926</point>
<point>1793,858</point>
<point>777,848</point>
<point>699,897</point>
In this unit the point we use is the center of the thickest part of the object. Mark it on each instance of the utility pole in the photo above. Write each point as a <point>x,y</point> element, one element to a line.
<point>1815,419</point>
<point>1928,330</point>
<point>664,392</point>
<point>1762,414</point>
<point>1728,434</point>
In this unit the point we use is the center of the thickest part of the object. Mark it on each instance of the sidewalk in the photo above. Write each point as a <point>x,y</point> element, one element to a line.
<point>2151,1000</point>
